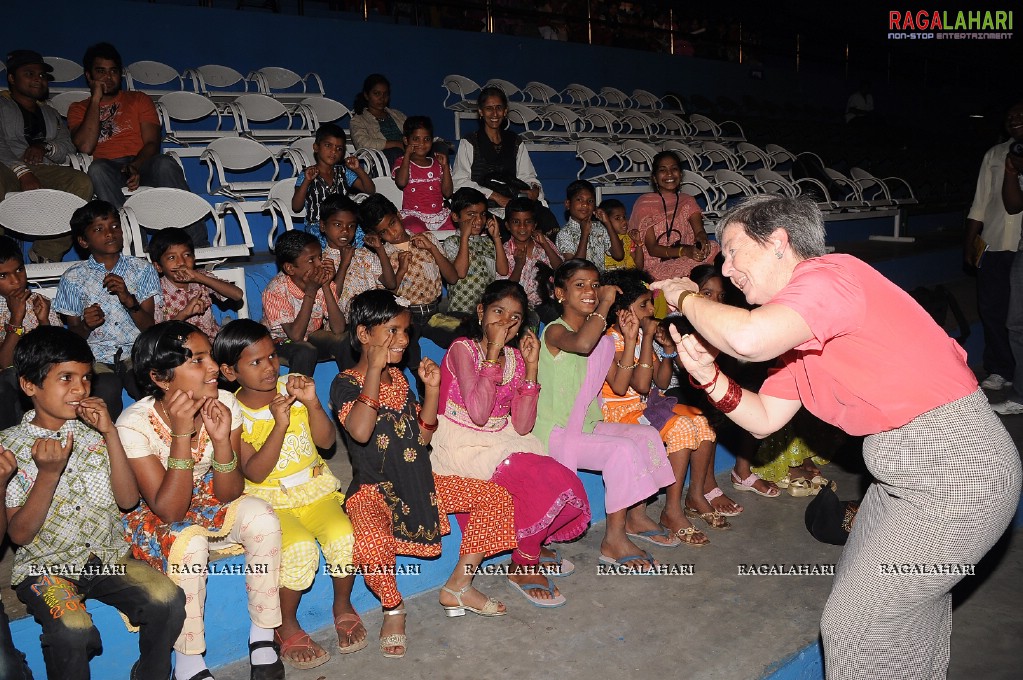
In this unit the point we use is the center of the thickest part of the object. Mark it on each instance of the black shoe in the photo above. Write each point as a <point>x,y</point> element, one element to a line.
<point>135,666</point>
<point>266,671</point>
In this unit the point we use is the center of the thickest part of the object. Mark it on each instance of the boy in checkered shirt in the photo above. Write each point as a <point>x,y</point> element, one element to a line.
<point>185,289</point>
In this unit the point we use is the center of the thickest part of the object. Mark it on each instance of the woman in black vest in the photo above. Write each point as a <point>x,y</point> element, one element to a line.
<point>494,161</point>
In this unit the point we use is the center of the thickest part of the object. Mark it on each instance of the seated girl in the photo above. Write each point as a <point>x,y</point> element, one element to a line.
<point>488,394</point>
<point>181,442</point>
<point>574,359</point>
<point>283,423</point>
<point>637,371</point>
<point>396,503</point>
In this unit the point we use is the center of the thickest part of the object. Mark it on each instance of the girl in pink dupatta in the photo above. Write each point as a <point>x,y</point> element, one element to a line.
<point>487,409</point>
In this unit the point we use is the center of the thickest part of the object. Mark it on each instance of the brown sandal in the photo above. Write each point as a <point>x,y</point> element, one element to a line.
<point>347,633</point>
<point>300,641</point>
<point>691,535</point>
<point>715,520</point>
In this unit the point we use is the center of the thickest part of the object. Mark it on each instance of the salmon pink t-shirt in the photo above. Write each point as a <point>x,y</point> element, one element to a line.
<point>120,123</point>
<point>876,360</point>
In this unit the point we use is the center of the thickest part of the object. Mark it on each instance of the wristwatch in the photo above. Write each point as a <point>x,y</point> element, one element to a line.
<point>17,330</point>
<point>135,307</point>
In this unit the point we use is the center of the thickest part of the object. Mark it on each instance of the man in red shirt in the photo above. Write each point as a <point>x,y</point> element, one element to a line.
<point>121,130</point>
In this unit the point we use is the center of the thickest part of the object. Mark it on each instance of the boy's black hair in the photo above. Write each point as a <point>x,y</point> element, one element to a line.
<point>633,284</point>
<point>235,337</point>
<point>84,216</point>
<point>10,250</point>
<point>373,210</point>
<point>465,197</point>
<point>159,349</point>
<point>609,204</point>
<point>165,238</point>
<point>371,308</point>
<point>520,204</point>
<point>103,50</point>
<point>497,290</point>
<point>336,203</point>
<point>290,245</point>
<point>548,279</point>
<point>413,123</point>
<point>329,130</point>
<point>579,186</point>
<point>40,349</point>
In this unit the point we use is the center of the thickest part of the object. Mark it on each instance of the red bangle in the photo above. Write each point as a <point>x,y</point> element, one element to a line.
<point>713,381</point>
<point>425,426</point>
<point>729,402</point>
<point>368,401</point>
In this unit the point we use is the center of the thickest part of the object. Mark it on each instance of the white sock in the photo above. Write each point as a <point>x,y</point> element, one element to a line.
<point>263,655</point>
<point>187,665</point>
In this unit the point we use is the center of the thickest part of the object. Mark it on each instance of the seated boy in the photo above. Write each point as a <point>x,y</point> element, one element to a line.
<point>64,510</point>
<point>300,301</point>
<point>108,299</point>
<point>185,290</point>
<point>339,227</point>
<point>20,311</point>
<point>331,174</point>
<point>613,215</point>
<point>417,261</point>
<point>478,257</point>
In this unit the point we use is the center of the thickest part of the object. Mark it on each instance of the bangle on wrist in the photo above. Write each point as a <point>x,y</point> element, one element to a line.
<point>626,368</point>
<point>183,434</point>
<point>713,381</point>
<point>429,427</point>
<point>670,356</point>
<point>598,315</point>
<point>642,365</point>
<point>368,401</point>
<point>180,464</point>
<point>683,296</point>
<point>226,467</point>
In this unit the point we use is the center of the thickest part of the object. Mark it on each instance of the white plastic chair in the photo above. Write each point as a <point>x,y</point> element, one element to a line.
<point>617,168</point>
<point>461,87</point>
<point>532,123</point>
<point>578,96</point>
<point>190,108</point>
<point>673,125</point>
<point>219,83</point>
<point>718,153</point>
<point>888,187</point>
<point>375,162</point>
<point>536,92</point>
<point>153,77</point>
<point>238,154</point>
<point>64,73</point>
<point>278,204</point>
<point>639,125</point>
<point>640,155</point>
<point>753,154</point>
<point>390,190</point>
<point>320,110</point>
<point>62,101</point>
<point>703,125</point>
<point>235,275</point>
<point>771,182</point>
<point>299,153</point>
<point>852,193</point>
<point>699,188</point>
<point>162,207</point>
<point>511,90</point>
<point>595,119</point>
<point>265,110</point>
<point>286,85</point>
<point>563,121</point>
<point>646,100</point>
<point>614,98</point>
<point>733,185</point>
<point>42,213</point>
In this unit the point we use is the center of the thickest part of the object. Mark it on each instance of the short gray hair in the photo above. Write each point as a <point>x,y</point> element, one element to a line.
<point>799,217</point>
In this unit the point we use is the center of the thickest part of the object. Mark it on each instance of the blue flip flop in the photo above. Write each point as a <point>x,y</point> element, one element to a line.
<point>648,536</point>
<point>549,603</point>
<point>567,567</point>
<point>622,561</point>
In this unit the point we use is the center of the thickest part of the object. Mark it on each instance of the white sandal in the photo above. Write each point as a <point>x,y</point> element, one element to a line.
<point>394,639</point>
<point>748,485</point>
<point>489,609</point>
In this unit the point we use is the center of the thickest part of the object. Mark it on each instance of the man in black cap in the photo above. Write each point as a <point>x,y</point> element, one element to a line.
<point>35,143</point>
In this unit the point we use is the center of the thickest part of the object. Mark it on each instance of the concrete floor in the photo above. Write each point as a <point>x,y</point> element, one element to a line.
<point>714,624</point>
